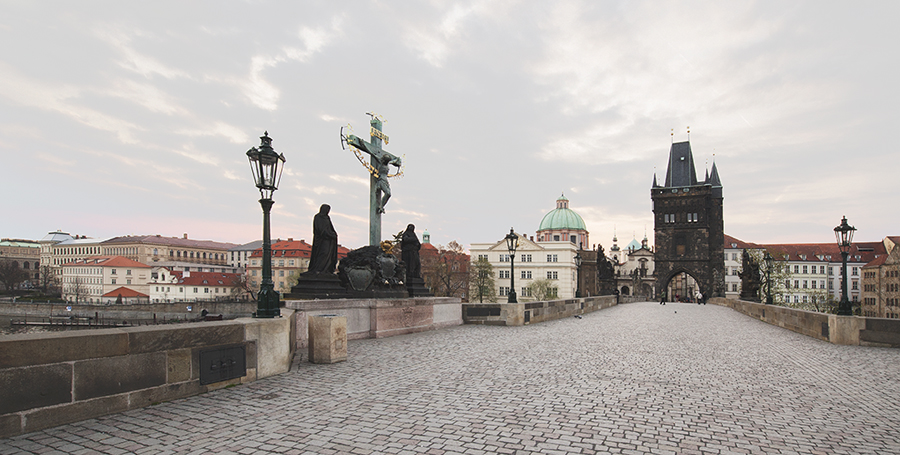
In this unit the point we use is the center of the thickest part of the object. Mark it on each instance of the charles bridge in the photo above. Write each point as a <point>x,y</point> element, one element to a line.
<point>632,378</point>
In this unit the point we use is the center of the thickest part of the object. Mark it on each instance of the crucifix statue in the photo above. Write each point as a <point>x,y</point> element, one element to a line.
<point>379,170</point>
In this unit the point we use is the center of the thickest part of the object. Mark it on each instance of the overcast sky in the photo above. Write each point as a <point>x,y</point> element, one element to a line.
<point>124,118</point>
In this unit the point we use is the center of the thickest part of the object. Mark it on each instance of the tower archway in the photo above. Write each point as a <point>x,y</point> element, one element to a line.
<point>681,286</point>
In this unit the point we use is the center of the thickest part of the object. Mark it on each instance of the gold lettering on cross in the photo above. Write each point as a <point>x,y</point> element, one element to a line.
<point>375,133</point>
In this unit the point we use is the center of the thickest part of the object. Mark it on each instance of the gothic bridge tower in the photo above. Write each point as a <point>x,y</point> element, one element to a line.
<point>689,229</point>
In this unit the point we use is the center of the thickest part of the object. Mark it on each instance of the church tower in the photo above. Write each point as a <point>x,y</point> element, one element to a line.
<point>688,228</point>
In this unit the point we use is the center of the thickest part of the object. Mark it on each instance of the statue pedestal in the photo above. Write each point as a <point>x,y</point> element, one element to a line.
<point>317,286</point>
<point>416,288</point>
<point>378,318</point>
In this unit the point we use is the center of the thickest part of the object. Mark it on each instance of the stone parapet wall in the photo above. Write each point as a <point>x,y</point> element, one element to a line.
<point>524,313</point>
<point>53,378</point>
<point>170,310</point>
<point>378,318</point>
<point>850,330</point>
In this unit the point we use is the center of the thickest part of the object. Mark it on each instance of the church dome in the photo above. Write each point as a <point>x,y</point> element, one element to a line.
<point>562,217</point>
<point>633,245</point>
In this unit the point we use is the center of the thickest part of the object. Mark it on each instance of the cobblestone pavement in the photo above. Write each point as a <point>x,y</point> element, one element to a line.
<point>638,378</point>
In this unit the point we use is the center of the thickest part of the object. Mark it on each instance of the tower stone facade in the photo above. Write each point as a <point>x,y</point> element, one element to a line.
<point>688,225</point>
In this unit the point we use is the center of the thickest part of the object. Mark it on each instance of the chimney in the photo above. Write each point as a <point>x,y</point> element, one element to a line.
<point>290,239</point>
<point>185,235</point>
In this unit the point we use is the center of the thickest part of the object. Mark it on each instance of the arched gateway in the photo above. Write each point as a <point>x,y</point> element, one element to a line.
<point>688,225</point>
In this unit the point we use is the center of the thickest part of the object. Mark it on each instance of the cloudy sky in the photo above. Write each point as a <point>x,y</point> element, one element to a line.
<point>134,117</point>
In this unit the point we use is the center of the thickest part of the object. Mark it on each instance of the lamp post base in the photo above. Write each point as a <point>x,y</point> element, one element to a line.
<point>267,304</point>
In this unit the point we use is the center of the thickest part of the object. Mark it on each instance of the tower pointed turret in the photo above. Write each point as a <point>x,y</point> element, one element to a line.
<point>681,171</point>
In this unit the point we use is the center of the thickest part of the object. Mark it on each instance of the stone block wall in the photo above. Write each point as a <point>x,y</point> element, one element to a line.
<point>55,378</point>
<point>378,318</point>
<point>850,330</point>
<point>514,314</point>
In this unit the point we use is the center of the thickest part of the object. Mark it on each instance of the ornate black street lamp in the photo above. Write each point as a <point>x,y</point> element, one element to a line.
<point>577,275</point>
<point>770,262</point>
<point>844,236</point>
<point>512,242</point>
<point>267,165</point>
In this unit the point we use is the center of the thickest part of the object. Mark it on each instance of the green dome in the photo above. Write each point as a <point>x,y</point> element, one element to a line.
<point>562,217</point>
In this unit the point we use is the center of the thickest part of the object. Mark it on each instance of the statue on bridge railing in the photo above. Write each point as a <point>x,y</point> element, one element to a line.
<point>605,275</point>
<point>750,279</point>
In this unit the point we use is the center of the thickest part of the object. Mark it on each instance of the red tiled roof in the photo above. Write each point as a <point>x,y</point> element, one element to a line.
<point>124,292</point>
<point>729,240</point>
<point>877,261</point>
<point>294,249</point>
<point>829,252</point>
<point>107,261</point>
<point>207,278</point>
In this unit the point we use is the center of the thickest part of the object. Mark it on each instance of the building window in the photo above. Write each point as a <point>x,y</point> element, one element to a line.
<point>734,257</point>
<point>854,271</point>
<point>556,238</point>
<point>552,275</point>
<point>291,263</point>
<point>504,273</point>
<point>206,290</point>
<point>253,273</point>
<point>552,258</point>
<point>734,287</point>
<point>804,270</point>
<point>526,258</point>
<point>281,273</point>
<point>504,258</point>
<point>113,281</point>
<point>854,285</point>
<point>504,290</point>
<point>805,284</point>
<point>526,274</point>
<point>195,290</point>
<point>822,269</point>
<point>813,284</point>
<point>482,256</point>
<point>526,292</point>
<point>113,272</point>
<point>796,269</point>
<point>281,263</point>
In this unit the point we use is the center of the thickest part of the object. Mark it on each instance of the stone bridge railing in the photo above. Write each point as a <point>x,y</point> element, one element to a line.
<point>524,313</point>
<point>53,378</point>
<point>851,330</point>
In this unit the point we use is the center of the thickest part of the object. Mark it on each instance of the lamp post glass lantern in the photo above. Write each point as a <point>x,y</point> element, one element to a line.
<point>512,242</point>
<point>770,262</point>
<point>577,275</point>
<point>266,165</point>
<point>843,233</point>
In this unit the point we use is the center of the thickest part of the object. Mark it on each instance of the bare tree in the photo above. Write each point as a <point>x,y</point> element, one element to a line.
<point>780,276</point>
<point>78,289</point>
<point>47,281</point>
<point>242,287</point>
<point>481,281</point>
<point>11,274</point>
<point>447,273</point>
<point>542,289</point>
